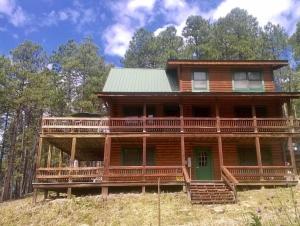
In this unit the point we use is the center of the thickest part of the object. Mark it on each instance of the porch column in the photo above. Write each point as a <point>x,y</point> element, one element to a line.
<point>144,117</point>
<point>60,156</point>
<point>49,156</point>
<point>182,150</point>
<point>290,115</point>
<point>254,117</point>
<point>71,163</point>
<point>220,148</point>
<point>106,163</point>
<point>292,154</point>
<point>181,117</point>
<point>144,161</point>
<point>217,110</point>
<point>106,158</point>
<point>39,153</point>
<point>258,155</point>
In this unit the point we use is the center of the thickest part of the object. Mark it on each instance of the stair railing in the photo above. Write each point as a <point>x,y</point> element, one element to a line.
<point>187,180</point>
<point>229,179</point>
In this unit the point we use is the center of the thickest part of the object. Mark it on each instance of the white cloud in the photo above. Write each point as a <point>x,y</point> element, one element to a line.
<point>14,13</point>
<point>117,38</point>
<point>283,12</point>
<point>128,16</point>
<point>137,4</point>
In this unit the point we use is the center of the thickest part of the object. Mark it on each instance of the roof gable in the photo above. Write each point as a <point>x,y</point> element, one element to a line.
<point>141,80</point>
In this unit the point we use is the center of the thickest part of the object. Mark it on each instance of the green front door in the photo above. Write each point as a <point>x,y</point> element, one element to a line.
<point>203,164</point>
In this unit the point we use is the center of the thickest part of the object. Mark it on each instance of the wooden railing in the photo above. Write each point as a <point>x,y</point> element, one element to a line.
<point>229,179</point>
<point>267,173</point>
<point>68,174</point>
<point>168,124</point>
<point>145,173</point>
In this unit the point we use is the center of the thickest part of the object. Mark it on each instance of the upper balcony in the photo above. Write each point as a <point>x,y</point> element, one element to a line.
<point>105,125</point>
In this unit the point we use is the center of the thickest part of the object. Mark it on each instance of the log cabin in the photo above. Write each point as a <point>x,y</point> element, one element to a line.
<point>207,126</point>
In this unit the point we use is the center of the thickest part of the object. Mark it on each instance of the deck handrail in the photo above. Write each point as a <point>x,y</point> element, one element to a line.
<point>168,124</point>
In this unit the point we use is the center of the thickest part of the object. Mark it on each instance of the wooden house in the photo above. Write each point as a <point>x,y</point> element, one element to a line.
<point>208,126</point>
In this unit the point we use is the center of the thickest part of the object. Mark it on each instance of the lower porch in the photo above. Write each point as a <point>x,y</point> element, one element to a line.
<point>124,161</point>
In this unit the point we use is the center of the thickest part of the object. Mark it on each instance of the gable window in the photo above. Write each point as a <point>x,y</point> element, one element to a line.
<point>248,81</point>
<point>200,81</point>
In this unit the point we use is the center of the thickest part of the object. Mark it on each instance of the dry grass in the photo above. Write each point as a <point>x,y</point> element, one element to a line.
<point>274,206</point>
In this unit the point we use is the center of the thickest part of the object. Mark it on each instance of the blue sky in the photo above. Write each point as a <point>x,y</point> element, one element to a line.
<point>111,23</point>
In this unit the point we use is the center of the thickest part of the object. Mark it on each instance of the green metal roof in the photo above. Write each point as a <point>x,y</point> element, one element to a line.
<point>141,80</point>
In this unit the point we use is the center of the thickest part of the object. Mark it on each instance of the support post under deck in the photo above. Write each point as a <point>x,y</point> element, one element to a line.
<point>292,154</point>
<point>258,155</point>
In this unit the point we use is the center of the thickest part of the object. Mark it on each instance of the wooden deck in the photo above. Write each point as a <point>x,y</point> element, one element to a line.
<point>140,175</point>
<point>65,125</point>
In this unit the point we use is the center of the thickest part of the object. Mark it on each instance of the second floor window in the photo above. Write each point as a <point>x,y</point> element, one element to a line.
<point>200,81</point>
<point>248,81</point>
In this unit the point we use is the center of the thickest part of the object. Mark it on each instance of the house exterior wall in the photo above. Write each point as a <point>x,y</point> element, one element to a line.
<point>220,78</point>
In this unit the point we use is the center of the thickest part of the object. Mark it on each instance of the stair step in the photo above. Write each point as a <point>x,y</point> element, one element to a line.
<point>211,192</point>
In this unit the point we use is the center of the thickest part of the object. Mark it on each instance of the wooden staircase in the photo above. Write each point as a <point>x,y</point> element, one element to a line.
<point>211,192</point>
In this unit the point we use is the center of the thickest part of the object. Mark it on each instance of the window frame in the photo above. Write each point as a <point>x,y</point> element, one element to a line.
<point>207,81</point>
<point>248,89</point>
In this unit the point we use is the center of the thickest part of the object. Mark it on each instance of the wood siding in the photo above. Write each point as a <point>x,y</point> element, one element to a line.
<point>220,78</point>
<point>168,152</point>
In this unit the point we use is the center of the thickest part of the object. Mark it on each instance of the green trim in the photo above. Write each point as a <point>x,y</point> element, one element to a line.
<point>260,89</point>
<point>207,81</point>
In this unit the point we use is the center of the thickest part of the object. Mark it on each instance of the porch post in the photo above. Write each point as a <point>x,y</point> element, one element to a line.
<point>292,154</point>
<point>39,153</point>
<point>220,150</point>
<point>60,158</point>
<point>182,150</point>
<point>71,163</point>
<point>49,156</point>
<point>144,161</point>
<point>290,115</point>
<point>181,117</point>
<point>106,163</point>
<point>254,117</point>
<point>258,155</point>
<point>144,117</point>
<point>217,110</point>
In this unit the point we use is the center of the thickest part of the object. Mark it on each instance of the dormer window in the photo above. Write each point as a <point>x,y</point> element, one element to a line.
<point>250,81</point>
<point>200,81</point>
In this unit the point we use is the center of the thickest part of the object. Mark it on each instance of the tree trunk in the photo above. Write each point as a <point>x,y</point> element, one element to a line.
<point>7,188</point>
<point>3,145</point>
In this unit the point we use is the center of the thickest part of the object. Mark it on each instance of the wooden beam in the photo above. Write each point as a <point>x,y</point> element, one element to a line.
<point>49,156</point>
<point>217,110</point>
<point>181,118</point>
<point>34,196</point>
<point>220,148</point>
<point>107,150</point>
<point>292,154</point>
<point>39,153</point>
<point>182,150</point>
<point>60,157</point>
<point>144,117</point>
<point>73,150</point>
<point>254,117</point>
<point>144,151</point>
<point>258,155</point>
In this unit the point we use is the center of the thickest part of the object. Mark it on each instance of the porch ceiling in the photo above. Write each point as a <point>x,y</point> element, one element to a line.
<point>86,148</point>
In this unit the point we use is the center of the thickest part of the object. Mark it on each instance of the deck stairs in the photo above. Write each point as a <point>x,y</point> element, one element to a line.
<point>211,192</point>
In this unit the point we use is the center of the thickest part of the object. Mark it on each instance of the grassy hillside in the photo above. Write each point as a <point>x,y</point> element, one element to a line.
<point>273,206</point>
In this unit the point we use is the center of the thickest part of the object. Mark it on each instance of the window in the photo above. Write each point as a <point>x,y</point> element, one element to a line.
<point>201,111</point>
<point>200,81</point>
<point>247,155</point>
<point>171,110</point>
<point>134,156</point>
<point>132,111</point>
<point>248,81</point>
